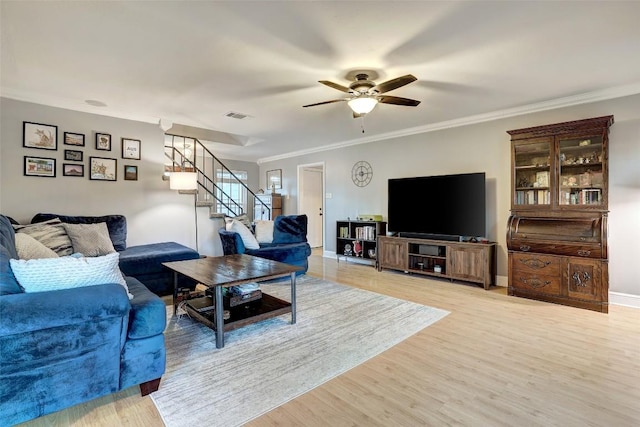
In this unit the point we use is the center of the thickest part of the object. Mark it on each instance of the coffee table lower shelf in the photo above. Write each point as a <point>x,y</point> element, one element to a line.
<point>245,314</point>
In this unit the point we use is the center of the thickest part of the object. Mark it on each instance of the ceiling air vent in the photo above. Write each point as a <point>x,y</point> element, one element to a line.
<point>235,115</point>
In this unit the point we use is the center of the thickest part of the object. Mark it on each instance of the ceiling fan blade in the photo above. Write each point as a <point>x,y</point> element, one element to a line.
<point>326,102</point>
<point>334,85</point>
<point>396,100</point>
<point>395,83</point>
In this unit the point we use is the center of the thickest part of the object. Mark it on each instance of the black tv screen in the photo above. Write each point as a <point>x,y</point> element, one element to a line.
<point>450,205</point>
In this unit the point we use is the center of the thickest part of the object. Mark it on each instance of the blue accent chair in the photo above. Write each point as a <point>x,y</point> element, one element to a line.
<point>289,244</point>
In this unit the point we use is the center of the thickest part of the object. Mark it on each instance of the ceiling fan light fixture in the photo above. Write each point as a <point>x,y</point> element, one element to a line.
<point>362,104</point>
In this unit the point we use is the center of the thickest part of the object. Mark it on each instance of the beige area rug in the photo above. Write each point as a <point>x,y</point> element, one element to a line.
<point>264,365</point>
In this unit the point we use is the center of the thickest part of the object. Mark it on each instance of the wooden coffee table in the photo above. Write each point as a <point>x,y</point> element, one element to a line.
<point>232,270</point>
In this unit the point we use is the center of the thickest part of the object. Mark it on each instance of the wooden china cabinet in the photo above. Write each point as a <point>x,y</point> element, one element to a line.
<point>557,231</point>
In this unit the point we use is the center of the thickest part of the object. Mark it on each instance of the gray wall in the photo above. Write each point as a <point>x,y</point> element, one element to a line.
<point>154,212</point>
<point>484,147</point>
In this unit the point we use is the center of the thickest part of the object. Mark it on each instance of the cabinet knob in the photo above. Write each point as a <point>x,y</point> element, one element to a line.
<point>525,248</point>
<point>583,252</point>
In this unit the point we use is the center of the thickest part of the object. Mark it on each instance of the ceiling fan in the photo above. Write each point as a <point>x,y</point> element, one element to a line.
<point>365,94</point>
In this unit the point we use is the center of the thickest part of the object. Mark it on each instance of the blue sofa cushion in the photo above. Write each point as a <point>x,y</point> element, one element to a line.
<point>290,229</point>
<point>144,262</point>
<point>8,283</point>
<point>148,316</point>
<point>289,254</point>
<point>116,224</point>
<point>144,259</point>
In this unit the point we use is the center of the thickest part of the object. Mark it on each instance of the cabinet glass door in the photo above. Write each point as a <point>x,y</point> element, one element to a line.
<point>532,173</point>
<point>581,172</point>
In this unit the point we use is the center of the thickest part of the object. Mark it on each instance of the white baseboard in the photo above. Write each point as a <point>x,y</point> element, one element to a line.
<point>616,298</point>
<point>332,254</point>
<point>628,300</point>
<point>328,254</point>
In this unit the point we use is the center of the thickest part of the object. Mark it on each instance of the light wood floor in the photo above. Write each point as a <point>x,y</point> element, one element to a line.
<point>494,361</point>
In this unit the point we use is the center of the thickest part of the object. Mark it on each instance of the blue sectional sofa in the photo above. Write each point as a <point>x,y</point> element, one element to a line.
<point>144,262</point>
<point>63,347</point>
<point>289,243</point>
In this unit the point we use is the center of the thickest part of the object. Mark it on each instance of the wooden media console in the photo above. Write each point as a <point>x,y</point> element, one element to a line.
<point>465,261</point>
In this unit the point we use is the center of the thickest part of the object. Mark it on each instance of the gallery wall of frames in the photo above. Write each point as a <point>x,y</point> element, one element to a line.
<point>103,167</point>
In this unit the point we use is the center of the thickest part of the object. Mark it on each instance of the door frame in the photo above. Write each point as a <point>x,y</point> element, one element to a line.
<point>321,167</point>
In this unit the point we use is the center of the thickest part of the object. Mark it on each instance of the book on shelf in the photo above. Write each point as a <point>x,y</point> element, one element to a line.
<point>533,197</point>
<point>365,233</point>
<point>590,196</point>
<point>587,196</point>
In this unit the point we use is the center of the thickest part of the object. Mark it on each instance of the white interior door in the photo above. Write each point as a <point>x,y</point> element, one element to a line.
<point>311,191</point>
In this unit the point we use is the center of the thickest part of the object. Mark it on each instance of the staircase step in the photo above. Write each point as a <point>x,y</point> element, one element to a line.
<point>216,215</point>
<point>204,203</point>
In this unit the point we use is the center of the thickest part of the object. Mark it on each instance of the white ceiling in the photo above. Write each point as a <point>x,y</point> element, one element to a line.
<point>192,62</point>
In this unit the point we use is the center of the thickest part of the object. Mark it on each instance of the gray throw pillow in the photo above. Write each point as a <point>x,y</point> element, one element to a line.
<point>90,239</point>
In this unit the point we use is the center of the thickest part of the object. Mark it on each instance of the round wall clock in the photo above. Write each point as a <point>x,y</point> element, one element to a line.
<point>361,173</point>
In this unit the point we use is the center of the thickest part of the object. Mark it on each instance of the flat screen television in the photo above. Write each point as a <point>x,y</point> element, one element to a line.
<point>440,207</point>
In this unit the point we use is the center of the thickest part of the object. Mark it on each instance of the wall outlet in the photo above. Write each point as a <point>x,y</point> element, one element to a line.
<point>328,195</point>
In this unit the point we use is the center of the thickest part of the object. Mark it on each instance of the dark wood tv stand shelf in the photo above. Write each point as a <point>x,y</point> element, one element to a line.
<point>465,261</point>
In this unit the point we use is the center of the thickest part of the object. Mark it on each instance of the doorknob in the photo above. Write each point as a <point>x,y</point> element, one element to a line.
<point>320,212</point>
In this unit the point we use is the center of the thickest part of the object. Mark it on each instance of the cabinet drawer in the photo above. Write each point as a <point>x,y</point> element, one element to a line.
<point>534,264</point>
<point>579,250</point>
<point>535,283</point>
<point>536,273</point>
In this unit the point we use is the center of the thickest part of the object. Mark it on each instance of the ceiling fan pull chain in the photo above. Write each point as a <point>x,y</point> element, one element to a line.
<point>362,122</point>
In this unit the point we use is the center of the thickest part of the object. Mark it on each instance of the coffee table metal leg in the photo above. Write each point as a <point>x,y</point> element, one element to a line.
<point>219,318</point>
<point>293,298</point>
<point>175,293</point>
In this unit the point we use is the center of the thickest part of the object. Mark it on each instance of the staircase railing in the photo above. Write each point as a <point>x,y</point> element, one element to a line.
<point>189,154</point>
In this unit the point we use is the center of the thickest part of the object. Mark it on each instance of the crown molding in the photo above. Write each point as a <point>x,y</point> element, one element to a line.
<point>568,101</point>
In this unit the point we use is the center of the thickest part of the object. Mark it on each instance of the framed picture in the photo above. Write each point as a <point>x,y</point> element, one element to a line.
<point>542,178</point>
<point>73,155</point>
<point>71,138</point>
<point>130,173</point>
<point>130,148</point>
<point>103,141</point>
<point>102,169</point>
<point>274,178</point>
<point>72,169</point>
<point>38,135</point>
<point>39,166</point>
